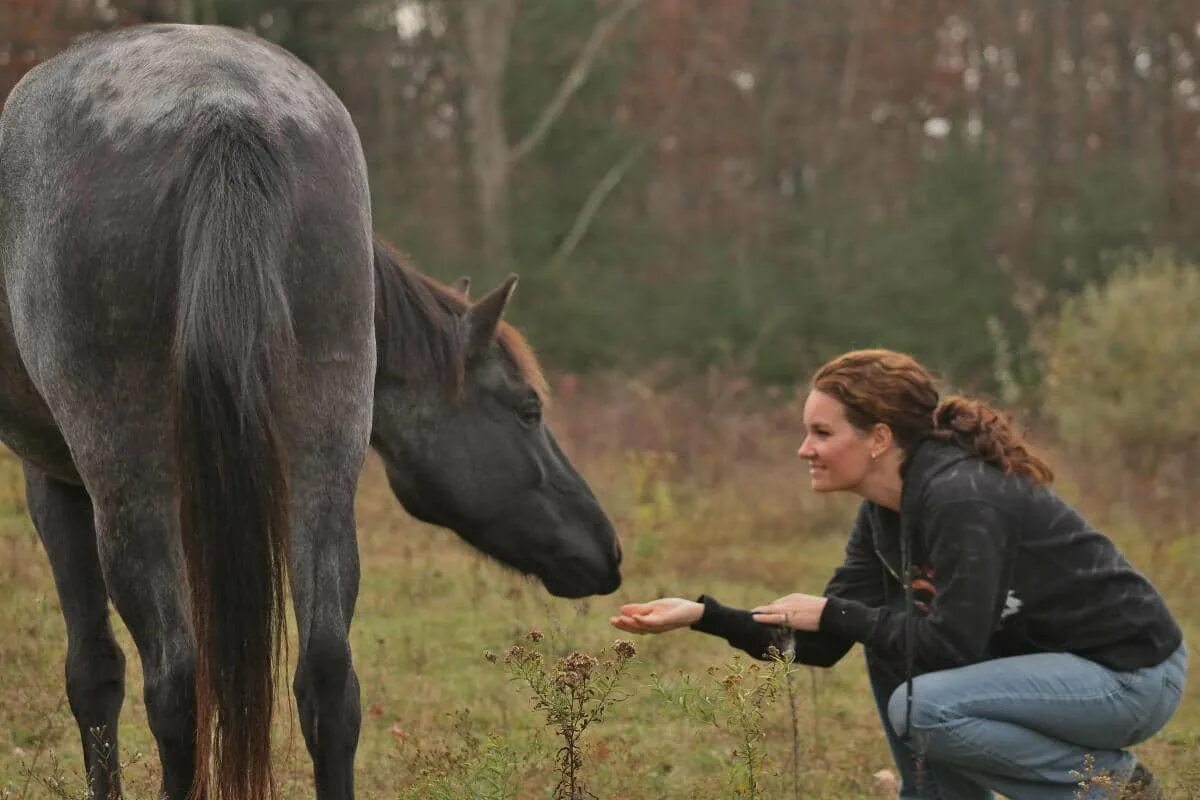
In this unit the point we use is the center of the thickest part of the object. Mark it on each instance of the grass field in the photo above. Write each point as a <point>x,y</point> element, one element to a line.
<point>707,493</point>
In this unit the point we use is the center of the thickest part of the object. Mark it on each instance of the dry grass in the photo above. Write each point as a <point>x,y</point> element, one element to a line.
<point>704,486</point>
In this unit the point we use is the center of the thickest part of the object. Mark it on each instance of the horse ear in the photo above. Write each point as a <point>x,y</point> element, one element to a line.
<point>483,318</point>
<point>462,286</point>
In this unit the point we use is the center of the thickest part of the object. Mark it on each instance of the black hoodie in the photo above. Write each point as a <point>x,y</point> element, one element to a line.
<point>1001,567</point>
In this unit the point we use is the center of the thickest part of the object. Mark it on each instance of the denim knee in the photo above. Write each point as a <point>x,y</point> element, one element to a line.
<point>926,711</point>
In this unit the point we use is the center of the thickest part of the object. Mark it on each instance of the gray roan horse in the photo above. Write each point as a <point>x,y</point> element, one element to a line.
<point>190,311</point>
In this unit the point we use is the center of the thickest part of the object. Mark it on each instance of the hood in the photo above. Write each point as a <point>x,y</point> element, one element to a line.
<point>928,459</point>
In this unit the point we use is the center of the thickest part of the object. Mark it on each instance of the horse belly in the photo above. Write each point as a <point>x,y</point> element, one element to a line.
<point>27,427</point>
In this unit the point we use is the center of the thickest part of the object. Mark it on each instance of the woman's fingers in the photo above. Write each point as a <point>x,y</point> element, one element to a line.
<point>631,628</point>
<point>769,614</point>
<point>632,609</point>
<point>641,623</point>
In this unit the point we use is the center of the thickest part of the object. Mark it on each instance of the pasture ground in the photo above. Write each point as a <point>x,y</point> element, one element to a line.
<point>709,497</point>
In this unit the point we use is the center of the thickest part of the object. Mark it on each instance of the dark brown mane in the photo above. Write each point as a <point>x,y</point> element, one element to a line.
<point>419,334</point>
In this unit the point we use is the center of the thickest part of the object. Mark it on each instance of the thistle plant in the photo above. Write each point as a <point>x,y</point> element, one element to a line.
<point>54,779</point>
<point>1096,784</point>
<point>471,767</point>
<point>734,699</point>
<point>572,694</point>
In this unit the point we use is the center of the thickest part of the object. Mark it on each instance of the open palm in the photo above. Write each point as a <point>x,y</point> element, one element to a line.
<point>657,616</point>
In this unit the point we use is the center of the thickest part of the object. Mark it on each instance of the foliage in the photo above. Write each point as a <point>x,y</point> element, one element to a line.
<point>926,280</point>
<point>1094,784</point>
<point>831,179</point>
<point>572,695</point>
<point>12,487</point>
<point>1123,363</point>
<point>470,768</point>
<point>654,505</point>
<point>1113,207</point>
<point>735,699</point>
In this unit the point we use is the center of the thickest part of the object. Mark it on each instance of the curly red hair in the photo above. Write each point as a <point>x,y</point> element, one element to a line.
<point>883,386</point>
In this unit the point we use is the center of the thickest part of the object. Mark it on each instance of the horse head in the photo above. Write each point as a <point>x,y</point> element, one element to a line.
<point>459,425</point>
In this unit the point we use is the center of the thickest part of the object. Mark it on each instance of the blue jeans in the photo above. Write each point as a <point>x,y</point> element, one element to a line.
<point>1019,726</point>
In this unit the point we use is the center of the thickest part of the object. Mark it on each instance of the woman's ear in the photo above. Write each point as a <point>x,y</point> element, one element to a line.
<point>882,440</point>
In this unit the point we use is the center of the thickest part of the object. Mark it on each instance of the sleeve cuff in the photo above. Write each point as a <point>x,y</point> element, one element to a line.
<point>718,619</point>
<point>848,619</point>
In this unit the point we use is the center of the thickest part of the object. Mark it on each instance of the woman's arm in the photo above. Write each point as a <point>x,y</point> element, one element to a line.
<point>859,579</point>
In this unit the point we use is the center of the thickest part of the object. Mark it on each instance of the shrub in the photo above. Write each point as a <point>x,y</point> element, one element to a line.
<point>1123,364</point>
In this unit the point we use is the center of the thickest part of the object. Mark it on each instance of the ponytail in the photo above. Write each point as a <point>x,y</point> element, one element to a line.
<point>980,429</point>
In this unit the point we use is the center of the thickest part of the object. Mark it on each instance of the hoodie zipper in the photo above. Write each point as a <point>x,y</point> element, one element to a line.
<point>887,565</point>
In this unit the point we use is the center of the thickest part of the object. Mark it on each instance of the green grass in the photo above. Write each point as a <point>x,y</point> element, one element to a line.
<point>725,513</point>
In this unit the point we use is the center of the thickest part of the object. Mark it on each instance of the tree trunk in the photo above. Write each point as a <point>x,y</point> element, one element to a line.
<point>1076,42</point>
<point>1122,40</point>
<point>487,31</point>
<point>1164,98</point>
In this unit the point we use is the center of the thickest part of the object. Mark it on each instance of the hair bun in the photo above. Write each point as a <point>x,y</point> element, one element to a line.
<point>955,413</point>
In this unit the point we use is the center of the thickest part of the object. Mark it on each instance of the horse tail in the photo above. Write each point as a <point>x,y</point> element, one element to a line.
<point>233,338</point>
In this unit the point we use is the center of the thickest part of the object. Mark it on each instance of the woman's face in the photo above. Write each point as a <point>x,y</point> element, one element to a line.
<point>838,454</point>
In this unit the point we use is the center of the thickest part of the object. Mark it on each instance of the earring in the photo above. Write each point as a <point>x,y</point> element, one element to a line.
<point>874,456</point>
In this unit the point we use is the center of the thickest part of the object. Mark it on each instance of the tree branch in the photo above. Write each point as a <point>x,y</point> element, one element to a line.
<point>599,194</point>
<point>575,78</point>
<point>617,171</point>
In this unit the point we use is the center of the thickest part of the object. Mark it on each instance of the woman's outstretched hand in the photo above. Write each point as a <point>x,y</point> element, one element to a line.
<point>658,616</point>
<point>800,612</point>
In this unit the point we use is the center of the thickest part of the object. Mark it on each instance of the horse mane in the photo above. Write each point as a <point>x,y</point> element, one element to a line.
<point>419,332</point>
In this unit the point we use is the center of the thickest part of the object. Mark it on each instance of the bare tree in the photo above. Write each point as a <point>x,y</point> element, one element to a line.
<point>1122,43</point>
<point>485,28</point>
<point>1162,90</point>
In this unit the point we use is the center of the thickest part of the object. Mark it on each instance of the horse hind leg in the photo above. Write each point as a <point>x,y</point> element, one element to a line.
<point>325,576</point>
<point>138,542</point>
<point>95,665</point>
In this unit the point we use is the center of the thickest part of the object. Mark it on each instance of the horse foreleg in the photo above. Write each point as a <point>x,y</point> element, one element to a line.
<point>95,666</point>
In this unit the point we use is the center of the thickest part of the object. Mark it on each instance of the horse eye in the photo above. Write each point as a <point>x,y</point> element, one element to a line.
<point>531,412</point>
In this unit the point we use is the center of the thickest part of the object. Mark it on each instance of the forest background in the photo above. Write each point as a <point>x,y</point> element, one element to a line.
<point>704,201</point>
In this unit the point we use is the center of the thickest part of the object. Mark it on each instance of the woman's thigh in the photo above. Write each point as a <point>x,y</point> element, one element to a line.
<point>1057,694</point>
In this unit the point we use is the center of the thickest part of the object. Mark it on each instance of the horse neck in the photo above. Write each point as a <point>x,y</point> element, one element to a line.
<point>417,333</point>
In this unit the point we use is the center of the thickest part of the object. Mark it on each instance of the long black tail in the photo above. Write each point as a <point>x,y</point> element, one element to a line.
<point>233,338</point>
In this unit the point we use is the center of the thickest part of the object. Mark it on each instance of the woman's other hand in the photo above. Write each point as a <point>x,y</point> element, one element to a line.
<point>658,616</point>
<point>801,612</point>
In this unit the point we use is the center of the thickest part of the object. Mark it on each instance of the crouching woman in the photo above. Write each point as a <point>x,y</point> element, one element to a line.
<point>1006,639</point>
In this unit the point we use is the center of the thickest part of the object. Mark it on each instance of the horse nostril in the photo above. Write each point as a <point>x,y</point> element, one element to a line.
<point>617,549</point>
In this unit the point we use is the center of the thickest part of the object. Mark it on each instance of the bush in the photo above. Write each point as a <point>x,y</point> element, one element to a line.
<point>1123,364</point>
